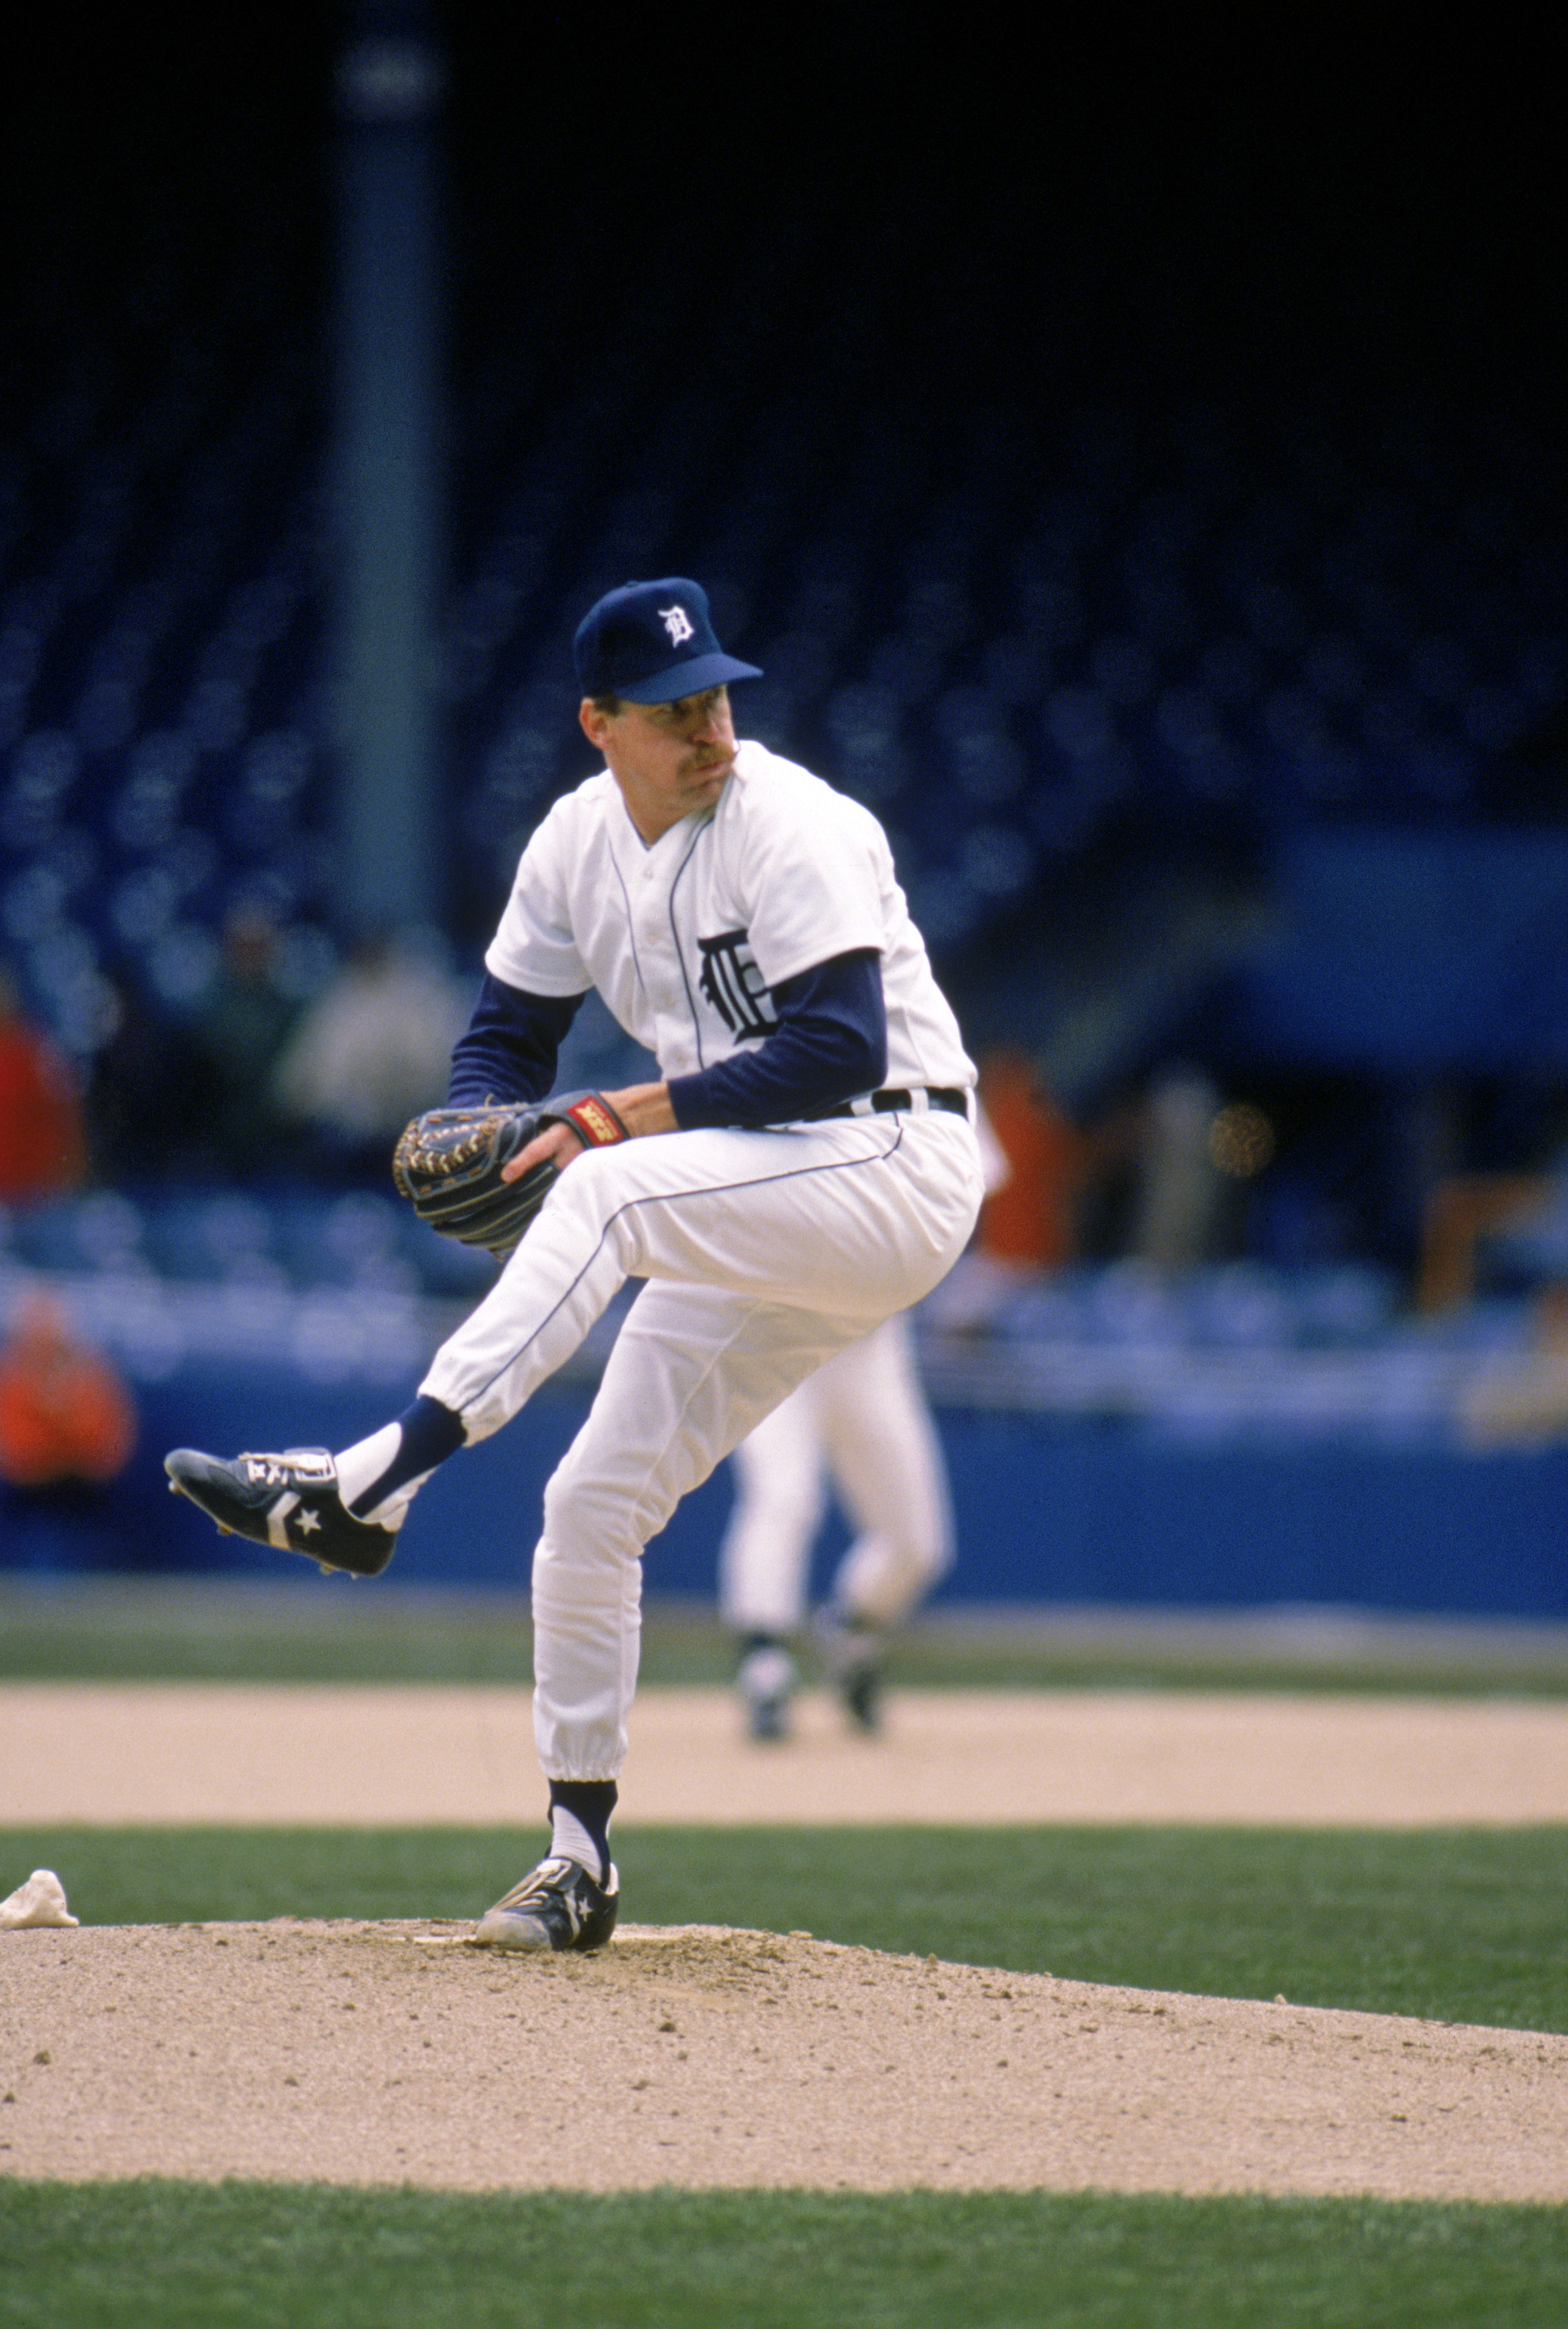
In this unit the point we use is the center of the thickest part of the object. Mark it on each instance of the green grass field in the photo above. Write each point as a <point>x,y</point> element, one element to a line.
<point>1455,1925</point>
<point>241,2256</point>
<point>206,1629</point>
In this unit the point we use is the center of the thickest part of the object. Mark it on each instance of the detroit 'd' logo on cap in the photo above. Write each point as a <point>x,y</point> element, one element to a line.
<point>678,624</point>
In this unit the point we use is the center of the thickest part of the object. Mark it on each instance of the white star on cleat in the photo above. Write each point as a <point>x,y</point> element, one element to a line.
<point>308,1521</point>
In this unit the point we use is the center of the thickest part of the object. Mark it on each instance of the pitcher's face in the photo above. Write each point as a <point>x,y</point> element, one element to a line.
<point>671,760</point>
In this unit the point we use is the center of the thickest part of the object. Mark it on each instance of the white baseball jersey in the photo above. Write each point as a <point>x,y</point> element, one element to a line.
<point>684,939</point>
<point>765,1251</point>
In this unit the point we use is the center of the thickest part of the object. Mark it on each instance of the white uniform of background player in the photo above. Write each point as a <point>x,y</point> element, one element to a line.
<point>861,1423</point>
<point>743,923</point>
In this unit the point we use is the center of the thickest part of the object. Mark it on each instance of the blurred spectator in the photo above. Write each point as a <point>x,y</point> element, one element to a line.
<point>1030,1219</point>
<point>1521,1401</point>
<point>239,1028</point>
<point>65,1415</point>
<point>43,1148</point>
<point>1461,1212</point>
<point>1179,1196</point>
<point>138,1100</point>
<point>371,1050</point>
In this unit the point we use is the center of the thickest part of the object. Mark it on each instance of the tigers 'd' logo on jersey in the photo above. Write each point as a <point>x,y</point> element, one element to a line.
<point>734,985</point>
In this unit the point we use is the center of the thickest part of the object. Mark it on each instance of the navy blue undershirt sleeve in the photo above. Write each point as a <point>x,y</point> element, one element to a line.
<point>830,1045</point>
<point>509,1050</point>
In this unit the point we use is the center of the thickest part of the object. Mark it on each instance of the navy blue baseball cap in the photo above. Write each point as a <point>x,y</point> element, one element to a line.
<point>653,643</point>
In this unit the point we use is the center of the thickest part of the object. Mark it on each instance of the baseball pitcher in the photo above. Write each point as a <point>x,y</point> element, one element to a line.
<point>805,1168</point>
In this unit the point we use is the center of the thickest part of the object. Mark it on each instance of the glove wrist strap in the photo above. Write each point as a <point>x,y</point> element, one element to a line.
<point>594,1121</point>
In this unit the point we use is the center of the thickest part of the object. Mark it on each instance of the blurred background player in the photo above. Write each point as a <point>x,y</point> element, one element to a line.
<point>861,1423</point>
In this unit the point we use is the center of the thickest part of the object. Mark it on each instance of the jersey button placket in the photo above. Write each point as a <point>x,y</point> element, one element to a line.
<point>651,925</point>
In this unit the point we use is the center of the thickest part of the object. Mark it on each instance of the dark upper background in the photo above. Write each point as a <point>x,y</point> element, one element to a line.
<point>1137,466</point>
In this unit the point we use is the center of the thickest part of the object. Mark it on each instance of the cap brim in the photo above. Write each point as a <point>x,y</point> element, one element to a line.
<point>693,678</point>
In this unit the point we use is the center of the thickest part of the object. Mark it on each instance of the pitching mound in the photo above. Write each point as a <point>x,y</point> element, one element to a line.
<point>389,2053</point>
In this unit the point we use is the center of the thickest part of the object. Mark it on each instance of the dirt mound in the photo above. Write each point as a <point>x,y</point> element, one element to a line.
<point>359,2052</point>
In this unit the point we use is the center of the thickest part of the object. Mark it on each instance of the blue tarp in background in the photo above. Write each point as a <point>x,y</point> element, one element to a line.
<point>1410,952</point>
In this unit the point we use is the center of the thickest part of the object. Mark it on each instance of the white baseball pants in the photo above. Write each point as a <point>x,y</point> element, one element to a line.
<point>766,1253</point>
<point>861,1421</point>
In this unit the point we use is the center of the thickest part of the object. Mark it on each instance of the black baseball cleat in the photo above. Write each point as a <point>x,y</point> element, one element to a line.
<point>852,1651</point>
<point>861,1691</point>
<point>557,1906</point>
<point>290,1500</point>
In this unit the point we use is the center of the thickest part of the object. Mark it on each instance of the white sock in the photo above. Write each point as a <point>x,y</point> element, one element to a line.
<point>366,1460</point>
<point>767,1672</point>
<point>570,1840</point>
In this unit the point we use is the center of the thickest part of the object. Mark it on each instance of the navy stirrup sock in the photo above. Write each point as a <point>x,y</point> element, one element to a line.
<point>580,1812</point>
<point>429,1433</point>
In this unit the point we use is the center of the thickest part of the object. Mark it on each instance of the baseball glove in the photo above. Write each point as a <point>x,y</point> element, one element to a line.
<point>447,1164</point>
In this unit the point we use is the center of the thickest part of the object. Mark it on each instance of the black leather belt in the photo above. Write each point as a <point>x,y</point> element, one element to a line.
<point>889,1103</point>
